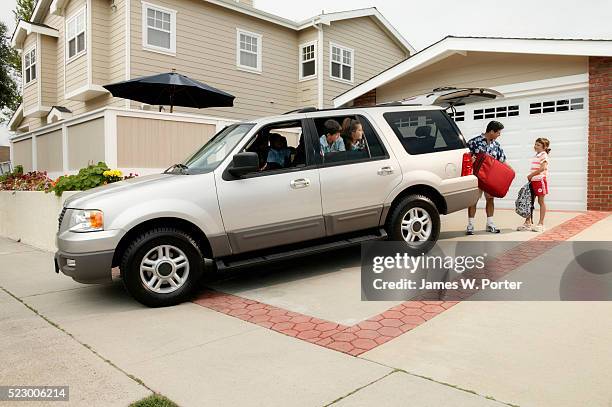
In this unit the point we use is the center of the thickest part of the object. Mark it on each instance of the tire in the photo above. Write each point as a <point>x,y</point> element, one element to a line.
<point>424,235</point>
<point>162,267</point>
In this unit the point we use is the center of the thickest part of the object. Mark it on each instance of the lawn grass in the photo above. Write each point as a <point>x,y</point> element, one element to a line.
<point>155,400</point>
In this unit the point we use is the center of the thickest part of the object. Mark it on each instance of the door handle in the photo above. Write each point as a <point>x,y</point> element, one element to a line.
<point>300,183</point>
<point>385,171</point>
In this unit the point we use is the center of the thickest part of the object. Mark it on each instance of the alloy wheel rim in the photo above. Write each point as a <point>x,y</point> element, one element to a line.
<point>164,269</point>
<point>416,225</point>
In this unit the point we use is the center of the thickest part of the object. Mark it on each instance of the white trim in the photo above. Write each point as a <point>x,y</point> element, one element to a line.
<point>559,84</point>
<point>372,12</point>
<point>17,116</point>
<point>39,67</point>
<point>154,48</point>
<point>25,28</point>
<point>88,39</point>
<point>34,154</point>
<point>65,166</point>
<point>95,114</point>
<point>128,46</point>
<point>38,111</point>
<point>342,48</point>
<point>28,51</point>
<point>320,82</point>
<point>259,54</point>
<point>451,45</point>
<point>56,113</point>
<point>73,16</point>
<point>110,138</point>
<point>301,76</point>
<point>85,92</point>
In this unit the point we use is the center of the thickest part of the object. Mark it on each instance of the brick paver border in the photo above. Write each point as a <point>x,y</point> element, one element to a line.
<point>366,335</point>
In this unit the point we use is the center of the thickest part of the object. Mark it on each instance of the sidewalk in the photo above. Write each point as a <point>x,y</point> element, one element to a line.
<point>473,354</point>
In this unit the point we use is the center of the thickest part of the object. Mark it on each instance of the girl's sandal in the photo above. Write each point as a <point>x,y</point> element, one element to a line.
<point>524,227</point>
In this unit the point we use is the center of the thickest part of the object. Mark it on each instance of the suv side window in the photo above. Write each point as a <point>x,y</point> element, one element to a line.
<point>368,148</point>
<point>423,132</point>
<point>280,147</point>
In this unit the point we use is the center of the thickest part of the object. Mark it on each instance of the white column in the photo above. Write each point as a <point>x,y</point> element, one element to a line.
<point>65,166</point>
<point>110,138</point>
<point>34,154</point>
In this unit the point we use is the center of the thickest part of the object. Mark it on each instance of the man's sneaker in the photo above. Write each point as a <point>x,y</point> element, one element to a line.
<point>538,228</point>
<point>469,230</point>
<point>492,229</point>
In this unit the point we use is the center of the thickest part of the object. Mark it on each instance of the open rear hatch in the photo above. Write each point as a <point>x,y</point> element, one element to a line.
<point>451,97</point>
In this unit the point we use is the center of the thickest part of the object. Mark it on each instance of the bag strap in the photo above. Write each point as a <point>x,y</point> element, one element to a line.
<point>480,157</point>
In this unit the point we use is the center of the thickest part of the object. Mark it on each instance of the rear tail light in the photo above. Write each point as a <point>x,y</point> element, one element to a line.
<point>466,165</point>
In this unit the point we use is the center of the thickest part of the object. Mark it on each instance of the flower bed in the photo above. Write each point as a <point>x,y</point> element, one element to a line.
<point>29,212</point>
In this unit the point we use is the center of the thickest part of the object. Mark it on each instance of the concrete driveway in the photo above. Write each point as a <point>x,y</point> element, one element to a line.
<point>298,334</point>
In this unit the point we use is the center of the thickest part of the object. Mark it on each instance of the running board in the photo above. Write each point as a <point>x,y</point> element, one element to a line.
<point>230,264</point>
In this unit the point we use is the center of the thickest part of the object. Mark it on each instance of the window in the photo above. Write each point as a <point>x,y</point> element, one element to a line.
<point>75,34</point>
<point>308,60</point>
<point>551,106</point>
<point>369,148</point>
<point>158,28</point>
<point>249,50</point>
<point>422,132</point>
<point>29,66</point>
<point>341,63</point>
<point>215,150</point>
<point>280,146</point>
<point>457,116</point>
<point>496,112</point>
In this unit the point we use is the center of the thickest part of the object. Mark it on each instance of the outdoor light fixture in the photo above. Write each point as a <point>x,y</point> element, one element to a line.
<point>113,6</point>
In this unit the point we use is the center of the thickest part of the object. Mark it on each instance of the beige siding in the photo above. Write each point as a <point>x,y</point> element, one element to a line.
<point>374,51</point>
<point>150,143</point>
<point>48,70</point>
<point>30,91</point>
<point>117,42</point>
<point>307,93</point>
<point>22,154</point>
<point>206,51</point>
<point>100,41</point>
<point>49,151</point>
<point>481,69</point>
<point>85,144</point>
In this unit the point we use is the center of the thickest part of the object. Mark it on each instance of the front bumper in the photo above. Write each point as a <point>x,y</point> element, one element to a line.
<point>86,268</point>
<point>87,257</point>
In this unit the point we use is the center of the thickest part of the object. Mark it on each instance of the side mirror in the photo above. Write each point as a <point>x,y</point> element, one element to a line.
<point>244,163</point>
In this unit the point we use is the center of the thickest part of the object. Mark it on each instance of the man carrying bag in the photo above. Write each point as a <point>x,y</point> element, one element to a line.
<point>486,144</point>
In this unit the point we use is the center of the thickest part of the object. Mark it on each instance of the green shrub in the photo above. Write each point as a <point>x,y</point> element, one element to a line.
<point>156,400</point>
<point>89,177</point>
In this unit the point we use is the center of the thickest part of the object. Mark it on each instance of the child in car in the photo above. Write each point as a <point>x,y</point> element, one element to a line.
<point>538,177</point>
<point>331,142</point>
<point>279,154</point>
<point>352,134</point>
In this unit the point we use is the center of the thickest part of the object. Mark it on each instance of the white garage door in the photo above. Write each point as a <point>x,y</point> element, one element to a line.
<point>562,118</point>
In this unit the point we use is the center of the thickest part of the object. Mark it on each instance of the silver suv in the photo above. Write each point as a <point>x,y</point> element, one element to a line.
<point>224,207</point>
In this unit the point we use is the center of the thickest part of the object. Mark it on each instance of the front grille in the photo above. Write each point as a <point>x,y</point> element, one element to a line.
<point>61,218</point>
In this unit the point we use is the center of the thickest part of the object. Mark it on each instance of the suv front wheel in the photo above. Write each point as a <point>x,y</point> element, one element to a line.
<point>416,221</point>
<point>161,267</point>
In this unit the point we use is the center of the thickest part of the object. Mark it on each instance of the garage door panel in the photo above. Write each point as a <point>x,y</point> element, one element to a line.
<point>566,129</point>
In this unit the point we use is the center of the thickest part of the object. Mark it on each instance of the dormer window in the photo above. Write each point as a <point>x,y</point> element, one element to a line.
<point>29,65</point>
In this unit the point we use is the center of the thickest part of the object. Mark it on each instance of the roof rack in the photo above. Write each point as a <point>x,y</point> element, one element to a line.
<point>303,110</point>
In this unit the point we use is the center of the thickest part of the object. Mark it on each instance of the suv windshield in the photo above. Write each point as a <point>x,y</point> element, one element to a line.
<point>212,153</point>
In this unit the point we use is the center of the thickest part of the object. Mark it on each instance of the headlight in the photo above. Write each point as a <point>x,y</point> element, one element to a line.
<point>86,220</point>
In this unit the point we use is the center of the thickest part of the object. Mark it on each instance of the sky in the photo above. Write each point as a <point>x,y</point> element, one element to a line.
<point>424,22</point>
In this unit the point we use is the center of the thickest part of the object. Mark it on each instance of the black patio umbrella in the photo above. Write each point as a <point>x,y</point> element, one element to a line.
<point>171,89</point>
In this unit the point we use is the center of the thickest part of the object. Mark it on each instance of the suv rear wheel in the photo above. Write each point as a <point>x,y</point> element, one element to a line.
<point>161,267</point>
<point>416,221</point>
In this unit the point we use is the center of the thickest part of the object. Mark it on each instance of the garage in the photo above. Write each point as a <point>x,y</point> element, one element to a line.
<point>559,89</point>
<point>560,117</point>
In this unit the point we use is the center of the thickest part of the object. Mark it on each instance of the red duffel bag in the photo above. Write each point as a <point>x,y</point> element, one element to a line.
<point>493,177</point>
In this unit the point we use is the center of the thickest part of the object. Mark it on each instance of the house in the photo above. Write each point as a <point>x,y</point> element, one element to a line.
<point>558,89</point>
<point>70,48</point>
